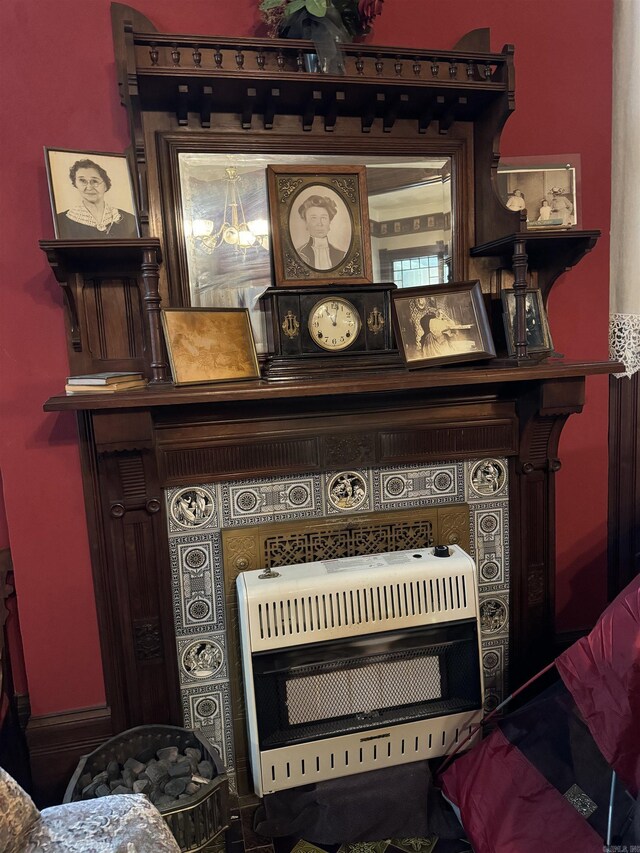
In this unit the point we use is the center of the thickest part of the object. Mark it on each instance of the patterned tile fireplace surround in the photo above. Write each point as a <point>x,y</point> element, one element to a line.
<point>203,604</point>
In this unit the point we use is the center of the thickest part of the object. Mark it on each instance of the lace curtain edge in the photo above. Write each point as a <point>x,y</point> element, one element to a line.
<point>624,342</point>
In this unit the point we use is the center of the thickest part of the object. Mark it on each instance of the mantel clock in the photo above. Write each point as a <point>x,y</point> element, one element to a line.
<point>328,329</point>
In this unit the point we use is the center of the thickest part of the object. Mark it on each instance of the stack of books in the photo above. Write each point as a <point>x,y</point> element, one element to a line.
<point>104,383</point>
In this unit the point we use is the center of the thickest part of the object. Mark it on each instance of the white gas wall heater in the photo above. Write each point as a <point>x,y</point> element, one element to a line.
<point>359,663</point>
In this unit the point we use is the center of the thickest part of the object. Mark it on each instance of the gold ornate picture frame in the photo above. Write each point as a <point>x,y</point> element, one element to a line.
<point>209,345</point>
<point>319,225</point>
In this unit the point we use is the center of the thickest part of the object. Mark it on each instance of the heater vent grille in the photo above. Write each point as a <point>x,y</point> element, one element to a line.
<point>381,605</point>
<point>313,762</point>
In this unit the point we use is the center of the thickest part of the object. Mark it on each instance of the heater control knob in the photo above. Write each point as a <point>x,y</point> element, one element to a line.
<point>441,551</point>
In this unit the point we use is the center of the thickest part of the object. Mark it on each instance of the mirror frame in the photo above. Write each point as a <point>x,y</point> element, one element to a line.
<point>170,145</point>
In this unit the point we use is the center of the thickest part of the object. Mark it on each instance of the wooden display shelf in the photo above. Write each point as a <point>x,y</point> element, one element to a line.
<point>385,382</point>
<point>550,253</point>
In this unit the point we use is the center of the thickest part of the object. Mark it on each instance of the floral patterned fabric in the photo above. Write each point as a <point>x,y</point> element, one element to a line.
<point>126,823</point>
<point>118,824</point>
<point>18,814</point>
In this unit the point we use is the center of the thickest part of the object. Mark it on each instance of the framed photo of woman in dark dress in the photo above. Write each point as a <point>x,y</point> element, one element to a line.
<point>91,195</point>
<point>442,324</point>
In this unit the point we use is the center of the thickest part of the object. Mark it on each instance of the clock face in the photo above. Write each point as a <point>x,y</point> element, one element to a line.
<point>334,324</point>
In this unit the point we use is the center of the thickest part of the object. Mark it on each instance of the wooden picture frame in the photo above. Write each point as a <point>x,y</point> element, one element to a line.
<point>328,205</point>
<point>209,345</point>
<point>537,323</point>
<point>442,324</point>
<point>91,195</point>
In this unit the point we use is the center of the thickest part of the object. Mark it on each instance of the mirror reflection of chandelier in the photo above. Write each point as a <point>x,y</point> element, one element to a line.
<point>235,230</point>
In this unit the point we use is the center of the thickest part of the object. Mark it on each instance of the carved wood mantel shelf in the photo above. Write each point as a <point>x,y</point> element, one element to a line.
<point>388,382</point>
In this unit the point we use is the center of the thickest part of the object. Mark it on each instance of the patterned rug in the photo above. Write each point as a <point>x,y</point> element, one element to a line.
<point>393,845</point>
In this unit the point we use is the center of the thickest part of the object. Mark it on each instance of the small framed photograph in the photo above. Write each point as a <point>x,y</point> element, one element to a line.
<point>209,345</point>
<point>442,324</point>
<point>91,195</point>
<point>319,224</point>
<point>538,335</point>
<point>546,187</point>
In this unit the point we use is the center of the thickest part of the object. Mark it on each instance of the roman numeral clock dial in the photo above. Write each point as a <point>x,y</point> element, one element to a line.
<point>334,324</point>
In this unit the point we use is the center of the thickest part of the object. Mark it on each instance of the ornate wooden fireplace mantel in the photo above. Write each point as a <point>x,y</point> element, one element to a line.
<point>196,94</point>
<point>135,445</point>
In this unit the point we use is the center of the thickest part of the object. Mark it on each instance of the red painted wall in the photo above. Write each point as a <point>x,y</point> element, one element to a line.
<point>60,90</point>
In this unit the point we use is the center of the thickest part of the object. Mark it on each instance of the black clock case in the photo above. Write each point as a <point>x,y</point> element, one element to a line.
<point>299,356</point>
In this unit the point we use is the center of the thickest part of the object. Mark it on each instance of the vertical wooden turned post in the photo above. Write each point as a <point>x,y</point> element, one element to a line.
<point>519,264</point>
<point>150,276</point>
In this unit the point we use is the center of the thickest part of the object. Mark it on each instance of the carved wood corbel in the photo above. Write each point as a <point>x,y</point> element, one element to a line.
<point>543,413</point>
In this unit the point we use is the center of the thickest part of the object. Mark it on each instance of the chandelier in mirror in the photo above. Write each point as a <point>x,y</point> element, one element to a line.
<point>234,230</point>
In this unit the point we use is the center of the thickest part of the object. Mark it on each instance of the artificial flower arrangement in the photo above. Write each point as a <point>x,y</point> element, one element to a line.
<point>340,20</point>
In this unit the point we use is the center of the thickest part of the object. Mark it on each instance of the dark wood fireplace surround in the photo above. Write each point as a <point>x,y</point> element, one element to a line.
<point>186,93</point>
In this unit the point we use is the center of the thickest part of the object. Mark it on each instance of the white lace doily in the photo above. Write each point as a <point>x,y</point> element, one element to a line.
<point>624,341</point>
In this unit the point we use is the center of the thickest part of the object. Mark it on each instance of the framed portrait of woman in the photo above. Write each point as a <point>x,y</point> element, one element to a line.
<point>319,225</point>
<point>442,324</point>
<point>91,195</point>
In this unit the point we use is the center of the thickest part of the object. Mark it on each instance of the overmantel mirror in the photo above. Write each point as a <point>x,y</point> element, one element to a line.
<point>216,207</point>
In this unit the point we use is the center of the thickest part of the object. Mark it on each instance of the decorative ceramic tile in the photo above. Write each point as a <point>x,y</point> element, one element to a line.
<point>494,665</point>
<point>494,615</point>
<point>191,508</point>
<point>271,499</point>
<point>208,707</point>
<point>492,699</point>
<point>489,541</point>
<point>196,514</point>
<point>198,594</point>
<point>404,486</point>
<point>202,659</point>
<point>347,491</point>
<point>487,478</point>
<point>300,498</point>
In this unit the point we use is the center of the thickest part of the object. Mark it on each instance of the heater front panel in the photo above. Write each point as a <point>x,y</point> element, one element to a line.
<point>345,755</point>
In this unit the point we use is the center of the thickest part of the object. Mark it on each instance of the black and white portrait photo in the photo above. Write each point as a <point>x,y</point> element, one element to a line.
<point>545,190</point>
<point>91,195</point>
<point>319,224</point>
<point>320,227</point>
